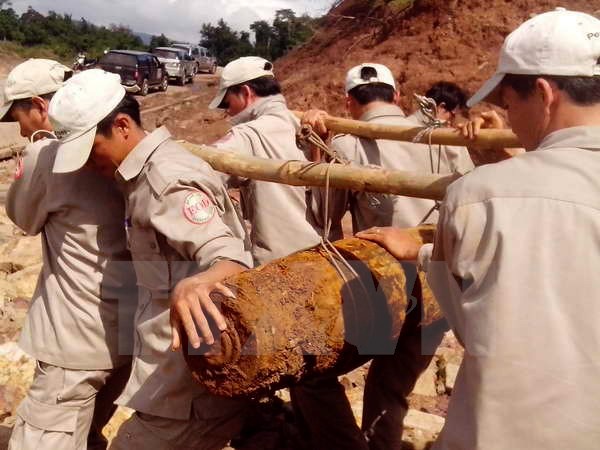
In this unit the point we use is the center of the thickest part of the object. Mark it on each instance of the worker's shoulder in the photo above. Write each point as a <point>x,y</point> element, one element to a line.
<point>281,121</point>
<point>520,176</point>
<point>346,145</point>
<point>479,185</point>
<point>48,146</point>
<point>344,140</point>
<point>171,163</point>
<point>39,157</point>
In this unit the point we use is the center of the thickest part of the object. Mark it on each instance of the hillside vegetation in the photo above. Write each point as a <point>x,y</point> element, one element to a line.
<point>422,41</point>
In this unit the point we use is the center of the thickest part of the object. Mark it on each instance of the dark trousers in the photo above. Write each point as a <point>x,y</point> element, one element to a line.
<point>324,410</point>
<point>389,382</point>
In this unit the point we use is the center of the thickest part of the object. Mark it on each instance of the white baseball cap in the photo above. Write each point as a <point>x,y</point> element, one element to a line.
<point>75,111</point>
<point>559,42</point>
<point>239,71</point>
<point>384,75</point>
<point>32,78</point>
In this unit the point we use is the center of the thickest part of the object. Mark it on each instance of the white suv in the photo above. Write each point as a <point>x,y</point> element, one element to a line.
<point>204,60</point>
<point>178,64</point>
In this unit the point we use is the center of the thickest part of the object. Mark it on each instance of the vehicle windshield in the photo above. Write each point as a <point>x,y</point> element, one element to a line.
<point>171,54</point>
<point>118,58</point>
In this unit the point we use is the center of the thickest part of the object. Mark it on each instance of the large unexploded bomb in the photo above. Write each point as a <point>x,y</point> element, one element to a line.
<point>308,314</point>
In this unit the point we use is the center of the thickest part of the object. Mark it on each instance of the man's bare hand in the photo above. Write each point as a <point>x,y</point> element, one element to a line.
<point>192,308</point>
<point>482,155</point>
<point>316,119</point>
<point>488,119</point>
<point>399,242</point>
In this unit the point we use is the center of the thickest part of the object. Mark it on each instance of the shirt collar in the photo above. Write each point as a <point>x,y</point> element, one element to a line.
<point>419,118</point>
<point>262,106</point>
<point>382,111</point>
<point>585,137</point>
<point>134,162</point>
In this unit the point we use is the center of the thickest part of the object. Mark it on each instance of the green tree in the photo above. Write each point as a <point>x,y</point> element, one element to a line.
<point>223,42</point>
<point>245,47</point>
<point>32,26</point>
<point>160,41</point>
<point>290,31</point>
<point>9,25</point>
<point>263,36</point>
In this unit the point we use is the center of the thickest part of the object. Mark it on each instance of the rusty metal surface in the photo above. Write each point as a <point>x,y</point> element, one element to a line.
<point>297,317</point>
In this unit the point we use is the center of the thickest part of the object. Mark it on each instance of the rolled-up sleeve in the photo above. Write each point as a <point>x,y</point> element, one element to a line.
<point>424,257</point>
<point>26,203</point>
<point>456,259</point>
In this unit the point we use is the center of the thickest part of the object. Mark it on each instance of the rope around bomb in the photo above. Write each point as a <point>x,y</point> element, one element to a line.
<point>428,108</point>
<point>309,136</point>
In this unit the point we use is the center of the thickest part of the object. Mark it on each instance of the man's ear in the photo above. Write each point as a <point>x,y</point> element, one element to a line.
<point>548,93</point>
<point>40,105</point>
<point>248,94</point>
<point>349,102</point>
<point>122,125</point>
<point>441,112</point>
<point>397,98</point>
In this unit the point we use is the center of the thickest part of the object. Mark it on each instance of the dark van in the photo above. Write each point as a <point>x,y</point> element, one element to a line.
<point>139,71</point>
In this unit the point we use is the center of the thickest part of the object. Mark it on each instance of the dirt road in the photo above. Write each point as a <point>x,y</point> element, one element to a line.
<point>191,120</point>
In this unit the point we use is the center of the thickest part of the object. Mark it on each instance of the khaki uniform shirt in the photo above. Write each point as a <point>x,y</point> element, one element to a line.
<point>85,296</point>
<point>180,221</point>
<point>375,209</point>
<point>277,212</point>
<point>515,270</point>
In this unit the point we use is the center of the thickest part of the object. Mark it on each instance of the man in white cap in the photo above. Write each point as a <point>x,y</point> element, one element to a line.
<point>264,127</point>
<point>371,96</point>
<point>180,224</point>
<point>514,262</point>
<point>85,297</point>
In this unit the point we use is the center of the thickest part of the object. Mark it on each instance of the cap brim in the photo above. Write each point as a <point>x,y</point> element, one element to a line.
<point>218,99</point>
<point>4,116</point>
<point>489,92</point>
<point>74,153</point>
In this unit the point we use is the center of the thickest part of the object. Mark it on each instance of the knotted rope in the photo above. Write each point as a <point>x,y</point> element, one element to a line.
<point>337,260</point>
<point>428,108</point>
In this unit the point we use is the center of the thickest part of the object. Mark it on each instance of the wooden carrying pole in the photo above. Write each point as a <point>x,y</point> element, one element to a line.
<point>487,138</point>
<point>299,173</point>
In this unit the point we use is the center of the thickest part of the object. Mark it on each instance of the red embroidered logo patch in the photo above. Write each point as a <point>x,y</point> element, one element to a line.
<point>19,169</point>
<point>198,208</point>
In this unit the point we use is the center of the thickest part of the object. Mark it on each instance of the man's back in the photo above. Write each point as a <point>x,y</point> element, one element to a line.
<point>371,209</point>
<point>277,212</point>
<point>522,238</point>
<point>86,278</point>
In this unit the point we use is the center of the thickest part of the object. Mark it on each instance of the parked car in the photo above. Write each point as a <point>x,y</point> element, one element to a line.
<point>204,60</point>
<point>178,64</point>
<point>139,71</point>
